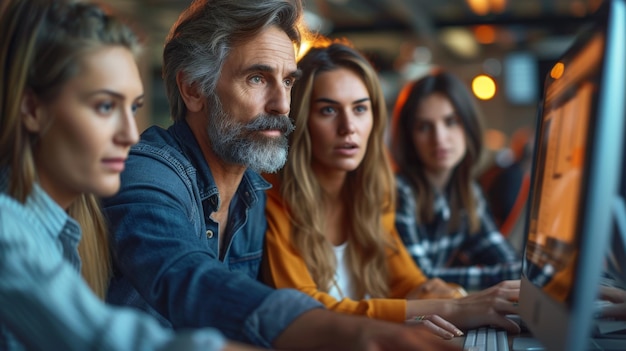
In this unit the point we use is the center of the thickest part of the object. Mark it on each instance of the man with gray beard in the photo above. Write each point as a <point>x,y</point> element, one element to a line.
<point>237,143</point>
<point>188,223</point>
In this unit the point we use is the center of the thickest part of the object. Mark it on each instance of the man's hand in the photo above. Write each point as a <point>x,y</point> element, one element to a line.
<point>321,329</point>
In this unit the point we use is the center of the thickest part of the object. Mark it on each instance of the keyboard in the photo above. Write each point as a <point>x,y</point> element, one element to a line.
<point>486,339</point>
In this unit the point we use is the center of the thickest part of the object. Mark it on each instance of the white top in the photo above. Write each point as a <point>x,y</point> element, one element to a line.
<point>342,286</point>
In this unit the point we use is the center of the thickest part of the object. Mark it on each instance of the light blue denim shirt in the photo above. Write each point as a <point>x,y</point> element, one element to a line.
<point>165,244</point>
<point>44,302</point>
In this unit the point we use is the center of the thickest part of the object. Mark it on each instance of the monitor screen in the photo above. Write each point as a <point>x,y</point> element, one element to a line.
<point>552,236</point>
<point>576,168</point>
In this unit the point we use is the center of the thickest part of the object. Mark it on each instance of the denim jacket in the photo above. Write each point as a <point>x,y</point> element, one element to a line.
<point>44,302</point>
<point>166,245</point>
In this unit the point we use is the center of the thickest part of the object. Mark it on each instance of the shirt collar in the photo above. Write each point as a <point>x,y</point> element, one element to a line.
<point>45,210</point>
<point>251,181</point>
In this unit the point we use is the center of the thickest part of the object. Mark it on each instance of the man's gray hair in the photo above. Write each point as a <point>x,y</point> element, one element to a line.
<point>201,39</point>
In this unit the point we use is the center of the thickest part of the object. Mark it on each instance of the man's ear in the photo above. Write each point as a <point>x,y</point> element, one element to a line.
<point>190,93</point>
<point>32,115</point>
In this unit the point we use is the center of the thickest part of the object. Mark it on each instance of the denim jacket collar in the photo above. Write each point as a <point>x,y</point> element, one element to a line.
<point>251,182</point>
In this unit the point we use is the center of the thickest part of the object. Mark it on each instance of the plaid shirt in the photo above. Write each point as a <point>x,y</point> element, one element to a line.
<point>473,260</point>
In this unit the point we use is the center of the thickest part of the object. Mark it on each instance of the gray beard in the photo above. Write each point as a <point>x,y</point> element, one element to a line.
<point>242,144</point>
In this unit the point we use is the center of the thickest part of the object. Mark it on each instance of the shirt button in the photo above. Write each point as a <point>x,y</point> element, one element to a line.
<point>209,234</point>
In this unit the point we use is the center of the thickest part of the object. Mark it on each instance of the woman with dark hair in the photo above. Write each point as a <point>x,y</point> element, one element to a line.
<point>330,214</point>
<point>441,214</point>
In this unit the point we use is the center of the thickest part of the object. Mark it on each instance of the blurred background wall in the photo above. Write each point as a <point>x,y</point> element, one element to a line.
<point>511,44</point>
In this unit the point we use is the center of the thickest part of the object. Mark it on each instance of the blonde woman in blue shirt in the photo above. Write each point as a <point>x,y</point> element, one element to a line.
<point>68,97</point>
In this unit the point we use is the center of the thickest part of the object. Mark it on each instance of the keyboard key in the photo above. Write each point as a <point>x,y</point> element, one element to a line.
<point>486,339</point>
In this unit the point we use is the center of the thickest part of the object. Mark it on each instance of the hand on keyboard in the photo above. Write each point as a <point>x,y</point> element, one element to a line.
<point>436,325</point>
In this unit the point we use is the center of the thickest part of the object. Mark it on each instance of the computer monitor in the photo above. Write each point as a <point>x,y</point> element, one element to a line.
<point>576,172</point>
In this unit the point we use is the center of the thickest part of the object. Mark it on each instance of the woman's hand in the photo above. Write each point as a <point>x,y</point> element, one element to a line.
<point>436,289</point>
<point>487,307</point>
<point>436,325</point>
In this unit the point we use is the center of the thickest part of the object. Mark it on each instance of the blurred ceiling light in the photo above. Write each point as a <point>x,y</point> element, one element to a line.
<point>485,34</point>
<point>484,87</point>
<point>460,41</point>
<point>484,7</point>
<point>479,7</point>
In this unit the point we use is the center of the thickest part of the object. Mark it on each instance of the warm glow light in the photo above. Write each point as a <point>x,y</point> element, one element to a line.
<point>484,87</point>
<point>498,6</point>
<point>485,34</point>
<point>317,41</point>
<point>483,7</point>
<point>479,7</point>
<point>578,8</point>
<point>305,46</point>
<point>594,5</point>
<point>557,70</point>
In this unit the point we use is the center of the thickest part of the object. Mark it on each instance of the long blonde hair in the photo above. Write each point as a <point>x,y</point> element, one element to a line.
<point>368,188</point>
<point>41,45</point>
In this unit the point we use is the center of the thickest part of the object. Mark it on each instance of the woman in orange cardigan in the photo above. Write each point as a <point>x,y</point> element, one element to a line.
<point>330,213</point>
